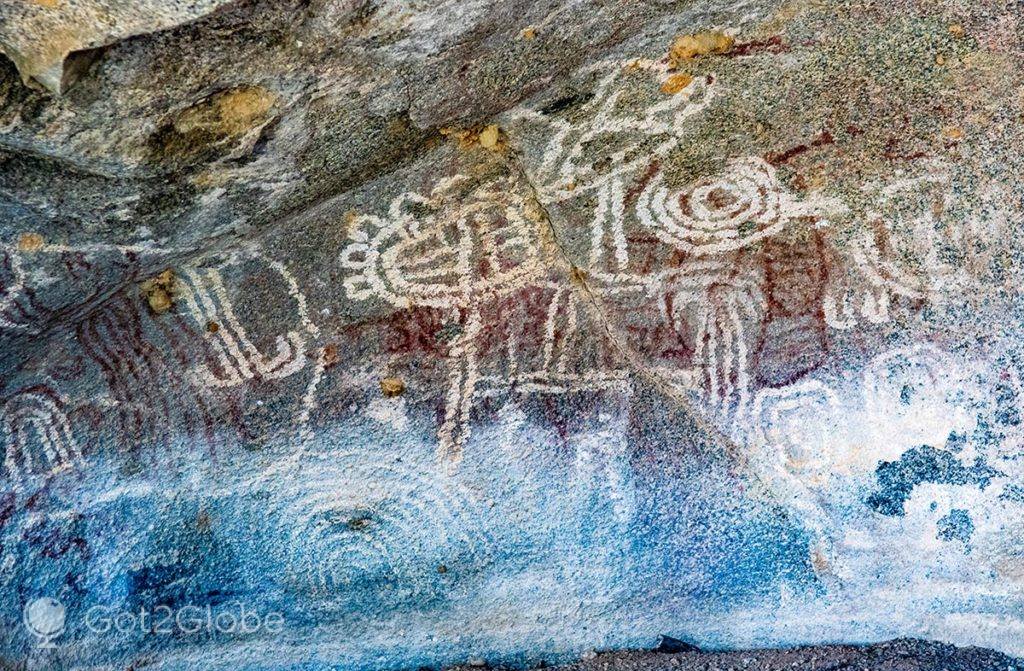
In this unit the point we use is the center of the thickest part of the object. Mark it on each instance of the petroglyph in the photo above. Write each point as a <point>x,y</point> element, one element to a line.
<point>462,260</point>
<point>12,309</point>
<point>551,325</point>
<point>208,302</point>
<point>38,439</point>
<point>444,259</point>
<point>740,207</point>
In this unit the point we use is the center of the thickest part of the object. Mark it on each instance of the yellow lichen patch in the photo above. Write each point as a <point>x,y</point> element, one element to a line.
<point>30,242</point>
<point>466,137</point>
<point>228,113</point>
<point>940,60</point>
<point>49,4</point>
<point>528,33</point>
<point>352,220</point>
<point>676,83</point>
<point>956,30</point>
<point>818,178</point>
<point>212,126</point>
<point>952,133</point>
<point>159,291</point>
<point>159,301</point>
<point>490,137</point>
<point>392,386</point>
<point>578,276</point>
<point>688,47</point>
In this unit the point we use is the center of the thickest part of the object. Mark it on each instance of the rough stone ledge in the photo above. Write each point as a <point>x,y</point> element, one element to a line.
<point>896,655</point>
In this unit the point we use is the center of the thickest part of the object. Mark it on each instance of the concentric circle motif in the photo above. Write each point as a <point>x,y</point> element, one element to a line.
<point>724,213</point>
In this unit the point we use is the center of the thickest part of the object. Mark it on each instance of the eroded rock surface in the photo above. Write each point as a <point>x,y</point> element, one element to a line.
<point>509,331</point>
<point>39,35</point>
<point>902,655</point>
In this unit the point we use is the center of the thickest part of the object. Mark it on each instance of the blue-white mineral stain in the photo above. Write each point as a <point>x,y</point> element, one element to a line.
<point>544,544</point>
<point>924,464</point>
<point>957,526</point>
<point>373,554</point>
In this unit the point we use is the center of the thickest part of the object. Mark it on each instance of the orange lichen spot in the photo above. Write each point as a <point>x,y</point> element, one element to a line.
<point>528,33</point>
<point>392,386</point>
<point>957,30</point>
<point>212,327</point>
<point>953,133</point>
<point>687,47</point>
<point>30,242</point>
<point>159,291</point>
<point>676,83</point>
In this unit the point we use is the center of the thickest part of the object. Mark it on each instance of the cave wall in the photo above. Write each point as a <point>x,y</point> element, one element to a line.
<point>508,331</point>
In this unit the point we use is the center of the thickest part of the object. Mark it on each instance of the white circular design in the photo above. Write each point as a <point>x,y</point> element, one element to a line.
<point>735,209</point>
<point>724,213</point>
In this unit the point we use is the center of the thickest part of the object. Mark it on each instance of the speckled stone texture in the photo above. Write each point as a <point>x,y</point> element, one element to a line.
<point>902,655</point>
<point>388,334</point>
<point>40,35</point>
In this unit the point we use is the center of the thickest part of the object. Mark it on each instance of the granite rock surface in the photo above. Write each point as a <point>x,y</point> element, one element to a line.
<point>899,655</point>
<point>405,333</point>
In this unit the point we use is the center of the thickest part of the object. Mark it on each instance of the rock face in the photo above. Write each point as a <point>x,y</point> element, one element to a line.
<point>39,35</point>
<point>902,655</point>
<point>379,334</point>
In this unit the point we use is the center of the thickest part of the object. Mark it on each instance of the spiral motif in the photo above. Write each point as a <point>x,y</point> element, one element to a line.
<point>728,212</point>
